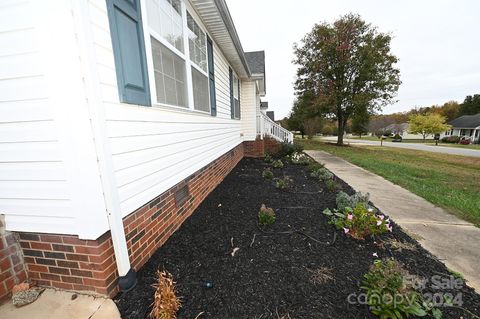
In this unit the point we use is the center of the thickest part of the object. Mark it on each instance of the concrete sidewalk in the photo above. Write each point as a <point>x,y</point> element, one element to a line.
<point>56,304</point>
<point>452,240</point>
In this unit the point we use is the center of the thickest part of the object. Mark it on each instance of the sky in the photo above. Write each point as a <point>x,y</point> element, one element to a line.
<point>437,42</point>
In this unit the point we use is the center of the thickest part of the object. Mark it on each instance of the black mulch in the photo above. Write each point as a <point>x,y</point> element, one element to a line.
<point>271,277</point>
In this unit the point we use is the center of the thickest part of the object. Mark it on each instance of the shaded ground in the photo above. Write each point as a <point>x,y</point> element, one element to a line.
<point>272,277</point>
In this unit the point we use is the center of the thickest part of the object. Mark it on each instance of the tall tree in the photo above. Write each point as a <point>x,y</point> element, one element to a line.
<point>348,67</point>
<point>360,123</point>
<point>471,105</point>
<point>429,124</point>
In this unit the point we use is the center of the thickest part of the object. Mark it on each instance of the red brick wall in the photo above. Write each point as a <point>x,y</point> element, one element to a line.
<point>260,147</point>
<point>67,262</point>
<point>12,269</point>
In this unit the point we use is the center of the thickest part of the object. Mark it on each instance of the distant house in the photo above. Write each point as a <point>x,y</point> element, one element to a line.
<point>466,126</point>
<point>402,130</point>
<point>117,119</point>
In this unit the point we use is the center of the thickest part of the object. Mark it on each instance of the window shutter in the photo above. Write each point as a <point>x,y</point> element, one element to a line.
<point>232,102</point>
<point>211,78</point>
<point>239,107</point>
<point>129,51</point>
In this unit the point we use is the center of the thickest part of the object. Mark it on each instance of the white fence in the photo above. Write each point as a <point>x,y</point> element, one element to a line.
<point>267,127</point>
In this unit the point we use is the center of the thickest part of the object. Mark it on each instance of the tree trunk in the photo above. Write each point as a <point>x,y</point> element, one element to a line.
<point>341,130</point>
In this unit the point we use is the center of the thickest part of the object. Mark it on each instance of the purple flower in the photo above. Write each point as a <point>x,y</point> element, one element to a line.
<point>346,230</point>
<point>389,227</point>
<point>381,217</point>
<point>349,216</point>
<point>379,222</point>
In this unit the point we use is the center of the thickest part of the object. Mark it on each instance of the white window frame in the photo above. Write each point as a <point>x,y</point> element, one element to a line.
<point>235,76</point>
<point>147,32</point>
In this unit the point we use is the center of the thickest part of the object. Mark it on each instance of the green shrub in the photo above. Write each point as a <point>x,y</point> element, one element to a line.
<point>359,222</point>
<point>277,164</point>
<point>267,173</point>
<point>283,183</point>
<point>322,174</point>
<point>451,139</point>
<point>287,149</point>
<point>299,159</point>
<point>391,293</point>
<point>266,215</point>
<point>344,200</point>
<point>332,185</point>
<point>313,166</point>
<point>268,158</point>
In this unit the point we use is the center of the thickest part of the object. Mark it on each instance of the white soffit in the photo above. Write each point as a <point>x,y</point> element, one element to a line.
<point>217,19</point>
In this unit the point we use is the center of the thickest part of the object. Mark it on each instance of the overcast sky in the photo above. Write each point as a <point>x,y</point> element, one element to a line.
<point>437,41</point>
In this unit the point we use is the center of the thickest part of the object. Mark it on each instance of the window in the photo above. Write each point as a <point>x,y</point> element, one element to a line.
<point>170,82</point>
<point>234,95</point>
<point>182,57</point>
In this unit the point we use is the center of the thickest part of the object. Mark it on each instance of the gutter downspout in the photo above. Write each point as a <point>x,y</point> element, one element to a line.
<point>96,109</point>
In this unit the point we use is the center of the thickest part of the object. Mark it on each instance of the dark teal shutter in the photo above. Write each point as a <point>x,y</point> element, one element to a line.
<point>239,112</point>
<point>129,51</point>
<point>211,78</point>
<point>232,102</point>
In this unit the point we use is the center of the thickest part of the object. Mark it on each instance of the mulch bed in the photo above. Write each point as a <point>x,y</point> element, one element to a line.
<point>271,276</point>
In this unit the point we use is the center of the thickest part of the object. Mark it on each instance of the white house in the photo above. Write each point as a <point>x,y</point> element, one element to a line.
<point>117,118</point>
<point>466,126</point>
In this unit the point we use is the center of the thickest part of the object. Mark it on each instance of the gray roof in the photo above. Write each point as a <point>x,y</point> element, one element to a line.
<point>264,105</point>
<point>256,61</point>
<point>466,121</point>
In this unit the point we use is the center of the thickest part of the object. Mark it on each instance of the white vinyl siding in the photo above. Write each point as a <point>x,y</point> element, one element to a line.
<point>155,148</point>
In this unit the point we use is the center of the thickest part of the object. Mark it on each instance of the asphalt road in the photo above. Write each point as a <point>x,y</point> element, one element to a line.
<point>412,146</point>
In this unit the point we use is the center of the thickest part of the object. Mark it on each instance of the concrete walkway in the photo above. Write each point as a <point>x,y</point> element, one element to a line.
<point>412,146</point>
<point>55,304</point>
<point>452,240</point>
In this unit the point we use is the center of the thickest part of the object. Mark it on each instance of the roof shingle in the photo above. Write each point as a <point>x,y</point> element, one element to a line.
<point>256,61</point>
<point>466,121</point>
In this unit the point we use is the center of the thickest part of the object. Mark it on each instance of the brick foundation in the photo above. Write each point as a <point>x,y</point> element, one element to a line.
<point>12,269</point>
<point>69,263</point>
<point>260,147</point>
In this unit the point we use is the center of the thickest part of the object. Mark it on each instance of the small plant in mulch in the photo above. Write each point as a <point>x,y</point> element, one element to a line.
<point>267,173</point>
<point>166,303</point>
<point>320,275</point>
<point>277,164</point>
<point>400,245</point>
<point>391,293</point>
<point>287,149</point>
<point>283,183</point>
<point>299,158</point>
<point>313,166</point>
<point>343,200</point>
<point>359,222</point>
<point>266,215</point>
<point>332,185</point>
<point>268,158</point>
<point>322,174</point>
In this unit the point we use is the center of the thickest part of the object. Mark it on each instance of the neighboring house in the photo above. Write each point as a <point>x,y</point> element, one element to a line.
<point>466,126</point>
<point>117,119</point>
<point>402,130</point>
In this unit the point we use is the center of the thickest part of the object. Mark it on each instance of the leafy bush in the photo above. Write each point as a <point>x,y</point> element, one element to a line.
<point>267,173</point>
<point>451,139</point>
<point>277,164</point>
<point>359,222</point>
<point>298,158</point>
<point>268,158</point>
<point>332,185</point>
<point>391,292</point>
<point>283,183</point>
<point>344,200</point>
<point>397,138</point>
<point>465,141</point>
<point>287,149</point>
<point>266,215</point>
<point>313,166</point>
<point>165,302</point>
<point>322,174</point>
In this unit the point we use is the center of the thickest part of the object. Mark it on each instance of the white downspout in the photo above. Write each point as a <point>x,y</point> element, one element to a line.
<point>102,146</point>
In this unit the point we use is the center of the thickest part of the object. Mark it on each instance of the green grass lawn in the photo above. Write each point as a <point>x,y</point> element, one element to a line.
<point>449,181</point>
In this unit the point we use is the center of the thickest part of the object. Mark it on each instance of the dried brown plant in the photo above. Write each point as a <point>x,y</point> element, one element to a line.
<point>166,303</point>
